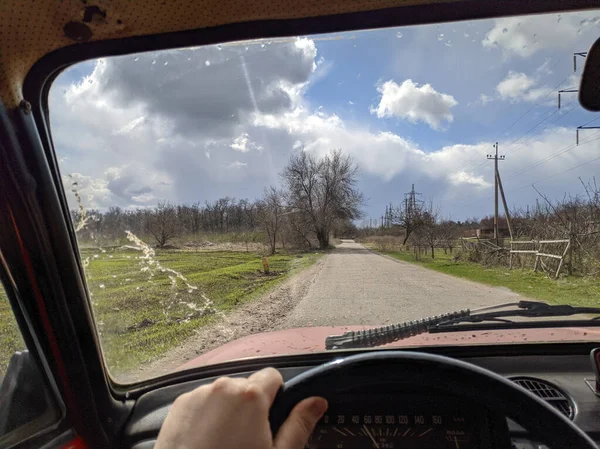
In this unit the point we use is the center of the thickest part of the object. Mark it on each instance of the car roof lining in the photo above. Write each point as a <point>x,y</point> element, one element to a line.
<point>30,29</point>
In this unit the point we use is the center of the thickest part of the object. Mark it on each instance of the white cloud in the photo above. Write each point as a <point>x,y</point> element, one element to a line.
<point>518,86</point>
<point>243,144</point>
<point>415,104</point>
<point>122,137</point>
<point>524,36</point>
<point>155,126</point>
<point>485,99</point>
<point>514,85</point>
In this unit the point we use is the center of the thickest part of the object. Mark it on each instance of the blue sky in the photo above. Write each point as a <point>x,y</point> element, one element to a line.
<point>418,105</point>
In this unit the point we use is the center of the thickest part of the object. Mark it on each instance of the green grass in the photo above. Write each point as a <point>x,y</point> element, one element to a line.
<point>140,317</point>
<point>566,290</point>
<point>10,336</point>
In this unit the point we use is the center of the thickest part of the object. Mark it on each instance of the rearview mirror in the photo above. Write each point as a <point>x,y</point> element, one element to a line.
<point>589,87</point>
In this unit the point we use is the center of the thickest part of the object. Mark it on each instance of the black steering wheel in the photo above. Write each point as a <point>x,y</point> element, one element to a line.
<point>414,370</point>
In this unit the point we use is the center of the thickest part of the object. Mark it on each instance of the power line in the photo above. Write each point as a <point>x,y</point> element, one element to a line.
<point>535,105</point>
<point>465,163</point>
<point>591,121</point>
<point>559,173</point>
<point>465,199</point>
<point>548,158</point>
<point>511,146</point>
<point>537,133</point>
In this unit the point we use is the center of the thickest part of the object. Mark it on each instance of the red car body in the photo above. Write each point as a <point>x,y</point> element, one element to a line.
<point>312,339</point>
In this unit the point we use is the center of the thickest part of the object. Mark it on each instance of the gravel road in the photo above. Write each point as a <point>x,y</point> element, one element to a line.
<point>356,286</point>
<point>351,285</point>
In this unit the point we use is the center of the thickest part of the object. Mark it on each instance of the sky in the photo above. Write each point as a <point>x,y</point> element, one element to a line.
<point>413,105</point>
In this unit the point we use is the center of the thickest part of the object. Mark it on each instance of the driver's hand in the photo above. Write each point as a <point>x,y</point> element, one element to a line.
<point>233,414</point>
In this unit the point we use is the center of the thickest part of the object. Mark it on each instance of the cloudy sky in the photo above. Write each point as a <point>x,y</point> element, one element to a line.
<point>413,105</point>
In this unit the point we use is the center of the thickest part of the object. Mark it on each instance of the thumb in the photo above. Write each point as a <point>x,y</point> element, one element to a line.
<point>296,429</point>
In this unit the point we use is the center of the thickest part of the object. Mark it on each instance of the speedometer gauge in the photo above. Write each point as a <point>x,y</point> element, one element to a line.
<point>415,430</point>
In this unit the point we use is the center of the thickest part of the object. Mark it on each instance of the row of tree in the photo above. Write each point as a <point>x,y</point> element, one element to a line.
<point>318,198</point>
<point>576,218</point>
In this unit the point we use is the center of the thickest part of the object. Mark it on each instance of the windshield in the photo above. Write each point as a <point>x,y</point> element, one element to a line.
<point>254,198</point>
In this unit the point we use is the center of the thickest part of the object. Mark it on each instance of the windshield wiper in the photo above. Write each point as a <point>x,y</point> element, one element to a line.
<point>378,336</point>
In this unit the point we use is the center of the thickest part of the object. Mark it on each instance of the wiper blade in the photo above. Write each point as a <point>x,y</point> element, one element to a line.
<point>378,336</point>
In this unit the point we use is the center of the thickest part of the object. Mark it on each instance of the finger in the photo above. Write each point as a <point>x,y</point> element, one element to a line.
<point>296,429</point>
<point>268,380</point>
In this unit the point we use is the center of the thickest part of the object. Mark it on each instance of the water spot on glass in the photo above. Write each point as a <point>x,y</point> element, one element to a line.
<point>398,34</point>
<point>448,44</point>
<point>466,34</point>
<point>559,18</point>
<point>153,61</point>
<point>441,37</point>
<point>269,42</point>
<point>262,45</point>
<point>535,35</point>
<point>101,286</point>
<point>207,63</point>
<point>505,30</point>
<point>579,31</point>
<point>219,47</point>
<point>137,58</point>
<point>189,58</point>
<point>246,48</point>
<point>96,256</point>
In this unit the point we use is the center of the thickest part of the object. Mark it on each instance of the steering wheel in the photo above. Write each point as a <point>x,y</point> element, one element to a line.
<point>413,369</point>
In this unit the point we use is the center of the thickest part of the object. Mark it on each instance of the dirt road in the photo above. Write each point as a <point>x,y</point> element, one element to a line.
<point>351,285</point>
<point>356,286</point>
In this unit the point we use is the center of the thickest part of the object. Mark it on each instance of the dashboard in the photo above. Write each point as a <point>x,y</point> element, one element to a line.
<point>385,418</point>
<point>401,421</point>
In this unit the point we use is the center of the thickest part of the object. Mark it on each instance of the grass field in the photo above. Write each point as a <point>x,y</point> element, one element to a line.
<point>569,290</point>
<point>142,312</point>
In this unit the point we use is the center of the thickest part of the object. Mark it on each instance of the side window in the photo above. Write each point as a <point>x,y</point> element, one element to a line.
<point>26,405</point>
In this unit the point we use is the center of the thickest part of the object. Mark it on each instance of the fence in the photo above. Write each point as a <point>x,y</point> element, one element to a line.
<point>541,249</point>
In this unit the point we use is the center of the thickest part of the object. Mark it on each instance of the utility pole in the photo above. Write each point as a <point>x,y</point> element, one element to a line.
<point>496,158</point>
<point>506,213</point>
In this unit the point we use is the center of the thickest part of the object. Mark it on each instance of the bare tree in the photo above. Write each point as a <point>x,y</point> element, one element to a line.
<point>323,191</point>
<point>427,230</point>
<point>448,232</point>
<point>162,223</point>
<point>271,215</point>
<point>410,217</point>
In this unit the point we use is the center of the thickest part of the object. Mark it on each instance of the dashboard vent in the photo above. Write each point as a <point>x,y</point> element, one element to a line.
<point>549,393</point>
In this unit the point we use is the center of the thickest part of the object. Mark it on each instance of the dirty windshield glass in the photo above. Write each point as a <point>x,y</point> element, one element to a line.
<point>253,198</point>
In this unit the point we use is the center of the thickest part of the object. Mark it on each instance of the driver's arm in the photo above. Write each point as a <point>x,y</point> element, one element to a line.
<point>233,414</point>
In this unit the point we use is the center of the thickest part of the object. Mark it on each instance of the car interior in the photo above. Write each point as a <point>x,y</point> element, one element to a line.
<point>59,394</point>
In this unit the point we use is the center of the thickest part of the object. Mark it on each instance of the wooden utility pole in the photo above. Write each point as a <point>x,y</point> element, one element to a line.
<point>496,158</point>
<point>506,213</point>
